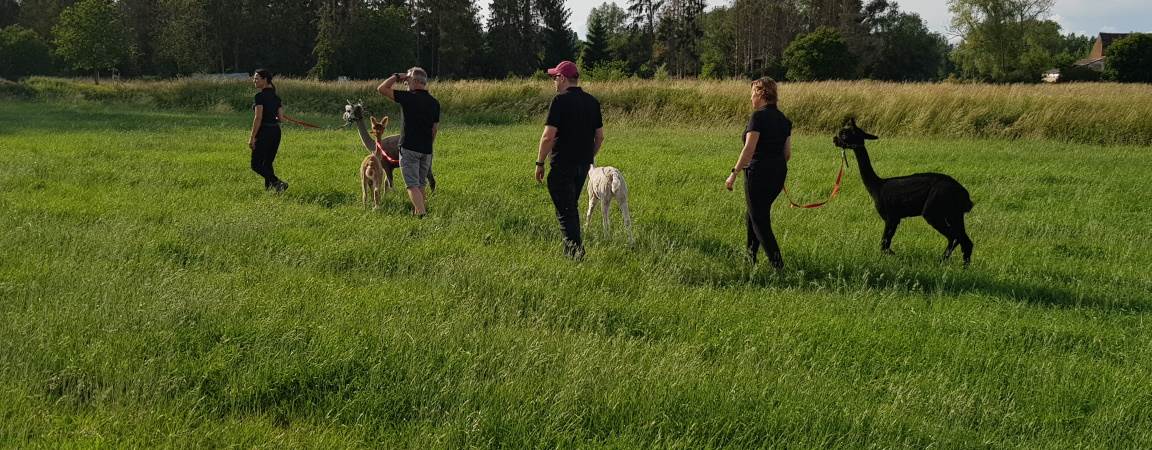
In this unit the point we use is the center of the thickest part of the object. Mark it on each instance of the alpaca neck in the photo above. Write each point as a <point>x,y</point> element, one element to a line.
<point>369,143</point>
<point>867,174</point>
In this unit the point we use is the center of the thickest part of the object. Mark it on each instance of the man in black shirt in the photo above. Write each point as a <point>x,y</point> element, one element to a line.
<point>421,122</point>
<point>572,137</point>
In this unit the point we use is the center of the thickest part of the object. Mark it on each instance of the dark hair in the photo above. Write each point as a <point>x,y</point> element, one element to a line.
<point>766,89</point>
<point>265,74</point>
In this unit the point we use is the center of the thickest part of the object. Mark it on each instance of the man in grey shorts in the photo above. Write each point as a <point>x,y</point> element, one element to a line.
<point>421,122</point>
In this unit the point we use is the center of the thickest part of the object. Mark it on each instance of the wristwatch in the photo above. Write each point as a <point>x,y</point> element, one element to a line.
<point>539,163</point>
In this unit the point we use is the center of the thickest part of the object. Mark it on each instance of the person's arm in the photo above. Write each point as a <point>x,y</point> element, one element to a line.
<point>788,148</point>
<point>547,141</point>
<point>597,141</point>
<point>385,88</point>
<point>435,130</point>
<point>259,116</point>
<point>750,140</point>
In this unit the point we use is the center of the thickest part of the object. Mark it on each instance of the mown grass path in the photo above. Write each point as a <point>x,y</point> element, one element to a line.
<point>152,294</point>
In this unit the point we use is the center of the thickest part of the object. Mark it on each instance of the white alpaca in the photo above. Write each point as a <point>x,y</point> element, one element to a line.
<point>604,184</point>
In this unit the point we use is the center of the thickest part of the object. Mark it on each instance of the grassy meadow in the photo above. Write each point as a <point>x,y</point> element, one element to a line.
<point>152,294</point>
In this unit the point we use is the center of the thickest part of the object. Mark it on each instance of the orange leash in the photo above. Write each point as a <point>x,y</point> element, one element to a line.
<point>835,187</point>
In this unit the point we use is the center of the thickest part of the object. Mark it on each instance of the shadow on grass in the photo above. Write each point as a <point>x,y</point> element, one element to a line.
<point>809,276</point>
<point>329,199</point>
<point>923,275</point>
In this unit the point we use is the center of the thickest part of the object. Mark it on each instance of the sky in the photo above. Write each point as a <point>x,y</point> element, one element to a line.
<point>1087,17</point>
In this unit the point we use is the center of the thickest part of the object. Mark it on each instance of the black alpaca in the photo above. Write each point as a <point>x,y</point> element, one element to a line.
<point>938,197</point>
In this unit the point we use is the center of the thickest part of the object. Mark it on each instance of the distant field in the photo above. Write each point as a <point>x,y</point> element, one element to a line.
<point>151,294</point>
<point>1093,113</point>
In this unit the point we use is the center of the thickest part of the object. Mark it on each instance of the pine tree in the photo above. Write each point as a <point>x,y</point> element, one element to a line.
<point>558,38</point>
<point>512,38</point>
<point>448,34</point>
<point>596,49</point>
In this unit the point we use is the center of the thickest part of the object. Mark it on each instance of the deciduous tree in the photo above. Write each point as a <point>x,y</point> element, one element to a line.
<point>819,55</point>
<point>92,36</point>
<point>1130,59</point>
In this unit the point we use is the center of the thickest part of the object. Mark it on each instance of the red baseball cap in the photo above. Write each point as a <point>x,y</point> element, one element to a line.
<point>567,69</point>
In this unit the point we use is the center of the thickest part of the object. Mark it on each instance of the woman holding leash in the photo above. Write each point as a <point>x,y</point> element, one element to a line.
<point>265,137</point>
<point>764,161</point>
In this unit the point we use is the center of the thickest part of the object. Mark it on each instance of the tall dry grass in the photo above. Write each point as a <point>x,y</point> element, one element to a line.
<point>1099,113</point>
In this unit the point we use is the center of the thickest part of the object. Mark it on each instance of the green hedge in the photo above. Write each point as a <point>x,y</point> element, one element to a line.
<point>1100,113</point>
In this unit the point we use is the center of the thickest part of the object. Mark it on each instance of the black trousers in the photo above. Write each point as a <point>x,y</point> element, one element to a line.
<point>763,182</point>
<point>267,144</point>
<point>565,182</point>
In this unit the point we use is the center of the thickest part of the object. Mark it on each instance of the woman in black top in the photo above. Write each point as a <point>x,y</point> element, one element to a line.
<point>265,138</point>
<point>764,161</point>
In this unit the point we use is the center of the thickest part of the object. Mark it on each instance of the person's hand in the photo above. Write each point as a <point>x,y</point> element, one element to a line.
<point>730,181</point>
<point>401,76</point>
<point>539,174</point>
<point>252,143</point>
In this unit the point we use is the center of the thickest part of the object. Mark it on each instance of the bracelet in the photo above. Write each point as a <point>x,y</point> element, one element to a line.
<point>539,163</point>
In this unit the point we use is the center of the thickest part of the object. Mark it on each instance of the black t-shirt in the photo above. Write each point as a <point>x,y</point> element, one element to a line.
<point>271,103</point>
<point>421,111</point>
<point>576,116</point>
<point>774,129</point>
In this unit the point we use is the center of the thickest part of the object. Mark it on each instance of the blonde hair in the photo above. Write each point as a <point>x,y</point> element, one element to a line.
<point>766,89</point>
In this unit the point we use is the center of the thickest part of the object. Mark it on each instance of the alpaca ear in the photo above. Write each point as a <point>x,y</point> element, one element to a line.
<point>384,121</point>
<point>373,119</point>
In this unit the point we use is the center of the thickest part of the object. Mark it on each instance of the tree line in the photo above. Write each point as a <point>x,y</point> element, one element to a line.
<point>999,40</point>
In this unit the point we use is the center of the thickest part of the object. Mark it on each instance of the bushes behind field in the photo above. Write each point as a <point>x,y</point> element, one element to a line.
<point>1089,113</point>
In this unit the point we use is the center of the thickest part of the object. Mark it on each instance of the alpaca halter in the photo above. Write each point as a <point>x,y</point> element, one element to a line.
<point>835,186</point>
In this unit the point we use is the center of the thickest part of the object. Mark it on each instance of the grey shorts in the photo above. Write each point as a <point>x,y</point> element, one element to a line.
<point>415,167</point>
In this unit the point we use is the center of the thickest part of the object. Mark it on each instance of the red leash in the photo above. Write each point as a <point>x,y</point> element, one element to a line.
<point>306,124</point>
<point>384,154</point>
<point>835,187</point>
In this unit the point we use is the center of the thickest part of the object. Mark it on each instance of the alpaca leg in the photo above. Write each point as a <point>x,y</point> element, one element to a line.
<point>364,190</point>
<point>606,208</point>
<point>376,195</point>
<point>889,231</point>
<point>388,181</point>
<point>943,226</point>
<point>962,236</point>
<point>431,181</point>
<point>591,206</point>
<point>627,216</point>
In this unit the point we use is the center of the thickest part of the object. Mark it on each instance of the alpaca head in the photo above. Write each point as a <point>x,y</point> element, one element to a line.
<point>851,136</point>
<point>378,126</point>
<point>353,112</point>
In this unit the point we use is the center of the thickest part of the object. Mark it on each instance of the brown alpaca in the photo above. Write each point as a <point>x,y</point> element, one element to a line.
<point>372,169</point>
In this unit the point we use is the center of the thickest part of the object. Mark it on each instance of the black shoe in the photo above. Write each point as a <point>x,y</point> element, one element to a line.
<point>281,186</point>
<point>573,250</point>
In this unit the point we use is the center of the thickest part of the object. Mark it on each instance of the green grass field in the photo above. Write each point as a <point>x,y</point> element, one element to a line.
<point>152,294</point>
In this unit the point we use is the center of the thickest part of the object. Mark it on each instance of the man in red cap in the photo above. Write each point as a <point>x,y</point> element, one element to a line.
<point>572,136</point>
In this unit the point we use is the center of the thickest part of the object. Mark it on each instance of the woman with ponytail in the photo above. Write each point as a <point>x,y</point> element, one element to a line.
<point>264,140</point>
<point>764,162</point>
